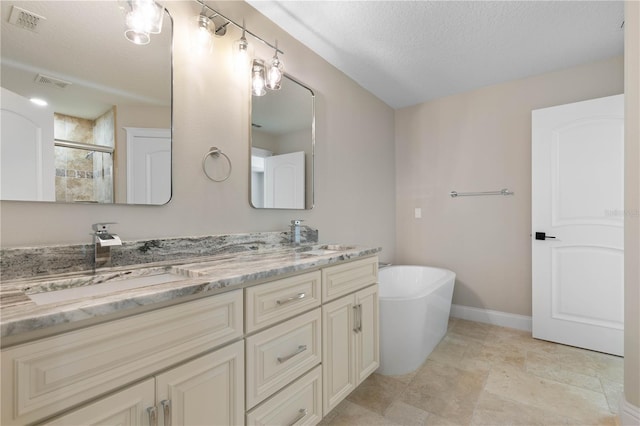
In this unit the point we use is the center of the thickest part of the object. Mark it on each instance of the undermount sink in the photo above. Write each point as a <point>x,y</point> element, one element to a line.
<point>78,288</point>
<point>328,249</point>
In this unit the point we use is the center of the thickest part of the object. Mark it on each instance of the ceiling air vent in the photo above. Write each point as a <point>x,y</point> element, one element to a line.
<point>52,81</point>
<point>25,19</point>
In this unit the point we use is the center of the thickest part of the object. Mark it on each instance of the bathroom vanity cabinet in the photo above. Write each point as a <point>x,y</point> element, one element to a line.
<point>279,352</point>
<point>207,390</point>
<point>350,333</point>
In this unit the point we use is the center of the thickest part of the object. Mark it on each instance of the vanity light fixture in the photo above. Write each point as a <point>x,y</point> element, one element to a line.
<point>241,51</point>
<point>274,76</point>
<point>258,78</point>
<point>143,17</point>
<point>202,34</point>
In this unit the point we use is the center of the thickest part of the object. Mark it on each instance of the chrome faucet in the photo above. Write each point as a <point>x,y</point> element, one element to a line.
<point>103,241</point>
<point>295,231</point>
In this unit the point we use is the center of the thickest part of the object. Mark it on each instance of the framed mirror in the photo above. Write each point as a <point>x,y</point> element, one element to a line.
<point>282,147</point>
<point>104,135</point>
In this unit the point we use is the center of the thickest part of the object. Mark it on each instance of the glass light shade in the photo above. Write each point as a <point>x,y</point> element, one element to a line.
<point>274,76</point>
<point>258,82</point>
<point>145,16</point>
<point>241,54</point>
<point>137,37</point>
<point>202,34</point>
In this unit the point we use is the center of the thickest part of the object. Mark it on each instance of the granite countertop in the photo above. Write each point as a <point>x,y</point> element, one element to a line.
<point>198,275</point>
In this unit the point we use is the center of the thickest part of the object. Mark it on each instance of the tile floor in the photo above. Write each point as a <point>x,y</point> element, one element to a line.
<point>486,375</point>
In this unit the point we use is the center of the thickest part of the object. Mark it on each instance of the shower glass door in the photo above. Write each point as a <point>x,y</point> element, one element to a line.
<point>84,172</point>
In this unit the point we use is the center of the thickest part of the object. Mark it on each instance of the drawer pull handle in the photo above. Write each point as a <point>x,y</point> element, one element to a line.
<point>302,413</point>
<point>299,296</point>
<point>166,409</point>
<point>300,349</point>
<point>153,416</point>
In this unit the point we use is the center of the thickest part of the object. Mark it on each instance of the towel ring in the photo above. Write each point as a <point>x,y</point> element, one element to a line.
<point>215,152</point>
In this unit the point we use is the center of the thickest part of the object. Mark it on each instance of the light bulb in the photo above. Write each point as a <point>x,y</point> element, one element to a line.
<point>258,78</point>
<point>202,35</point>
<point>137,37</point>
<point>241,54</point>
<point>144,18</point>
<point>274,76</point>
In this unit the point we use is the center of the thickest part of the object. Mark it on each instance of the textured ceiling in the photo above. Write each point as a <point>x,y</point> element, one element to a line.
<point>409,52</point>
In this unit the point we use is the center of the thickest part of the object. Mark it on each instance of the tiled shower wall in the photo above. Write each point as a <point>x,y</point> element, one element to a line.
<point>84,175</point>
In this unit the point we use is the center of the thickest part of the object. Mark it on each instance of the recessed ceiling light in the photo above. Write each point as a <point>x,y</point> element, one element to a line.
<point>39,102</point>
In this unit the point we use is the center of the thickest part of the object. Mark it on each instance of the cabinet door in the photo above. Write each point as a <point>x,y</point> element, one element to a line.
<point>127,408</point>
<point>206,391</point>
<point>367,336</point>
<point>338,355</point>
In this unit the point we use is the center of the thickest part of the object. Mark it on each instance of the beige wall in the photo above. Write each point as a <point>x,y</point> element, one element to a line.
<point>354,155</point>
<point>481,141</point>
<point>632,206</point>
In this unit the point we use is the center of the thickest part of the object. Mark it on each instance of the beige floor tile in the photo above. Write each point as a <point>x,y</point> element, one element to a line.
<point>377,392</point>
<point>444,390</point>
<point>453,350</point>
<point>350,414</point>
<point>404,414</point>
<point>555,397</point>
<point>486,375</point>
<point>405,378</point>
<point>550,368</point>
<point>597,364</point>
<point>435,420</point>
<point>613,392</point>
<point>472,330</point>
<point>492,354</point>
<point>492,410</point>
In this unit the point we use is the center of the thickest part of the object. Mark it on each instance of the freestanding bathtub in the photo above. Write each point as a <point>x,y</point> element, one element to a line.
<point>414,313</point>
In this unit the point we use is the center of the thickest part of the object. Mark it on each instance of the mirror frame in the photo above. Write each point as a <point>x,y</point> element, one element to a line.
<point>171,30</point>
<point>310,200</point>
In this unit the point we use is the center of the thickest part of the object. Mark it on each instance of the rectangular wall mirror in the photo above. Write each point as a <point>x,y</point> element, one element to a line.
<point>282,147</point>
<point>104,135</point>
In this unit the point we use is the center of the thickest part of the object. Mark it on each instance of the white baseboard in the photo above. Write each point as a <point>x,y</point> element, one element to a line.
<point>629,413</point>
<point>502,319</point>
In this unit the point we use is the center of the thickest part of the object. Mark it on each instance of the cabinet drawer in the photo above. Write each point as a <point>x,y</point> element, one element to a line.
<point>279,300</point>
<point>50,375</point>
<point>280,354</point>
<point>348,277</point>
<point>298,404</point>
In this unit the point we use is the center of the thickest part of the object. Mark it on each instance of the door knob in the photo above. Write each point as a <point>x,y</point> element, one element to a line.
<point>542,236</point>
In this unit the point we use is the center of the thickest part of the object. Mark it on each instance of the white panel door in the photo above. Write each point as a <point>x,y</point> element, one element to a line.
<point>284,181</point>
<point>578,202</point>
<point>27,160</point>
<point>148,165</point>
